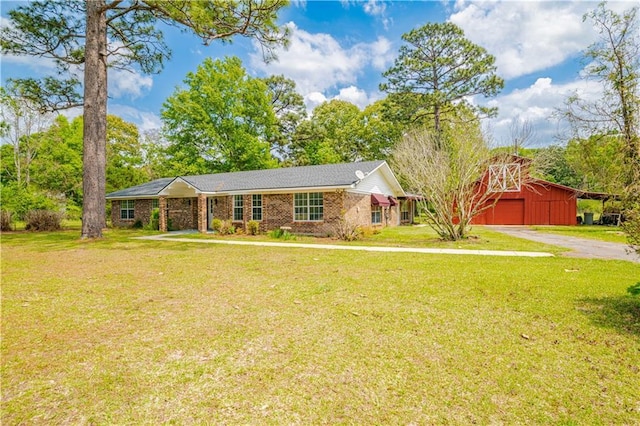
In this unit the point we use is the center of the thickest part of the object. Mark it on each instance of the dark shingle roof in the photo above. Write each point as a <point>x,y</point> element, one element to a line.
<point>327,175</point>
<point>146,189</point>
<point>291,177</point>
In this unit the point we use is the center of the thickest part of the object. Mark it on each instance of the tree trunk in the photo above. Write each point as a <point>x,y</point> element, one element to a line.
<point>95,121</point>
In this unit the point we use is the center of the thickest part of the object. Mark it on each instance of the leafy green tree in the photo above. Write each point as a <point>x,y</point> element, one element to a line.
<point>598,162</point>
<point>289,108</point>
<point>222,121</point>
<point>437,70</point>
<point>614,62</point>
<point>328,136</point>
<point>96,34</point>
<point>125,159</point>
<point>551,164</point>
<point>19,121</point>
<point>57,169</point>
<point>155,160</point>
<point>58,166</point>
<point>338,131</point>
<point>377,135</point>
<point>19,200</point>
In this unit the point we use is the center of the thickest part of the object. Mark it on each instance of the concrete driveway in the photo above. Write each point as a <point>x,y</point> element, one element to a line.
<point>580,247</point>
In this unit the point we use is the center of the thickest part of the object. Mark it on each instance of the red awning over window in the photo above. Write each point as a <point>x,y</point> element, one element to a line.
<point>379,200</point>
<point>392,201</point>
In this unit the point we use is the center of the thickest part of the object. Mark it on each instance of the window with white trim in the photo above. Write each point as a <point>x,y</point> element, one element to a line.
<point>308,207</point>
<point>127,209</point>
<point>504,177</point>
<point>256,207</point>
<point>376,214</point>
<point>238,208</point>
<point>155,203</point>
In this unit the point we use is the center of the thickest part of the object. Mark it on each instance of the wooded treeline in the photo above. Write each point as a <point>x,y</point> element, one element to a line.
<point>224,120</point>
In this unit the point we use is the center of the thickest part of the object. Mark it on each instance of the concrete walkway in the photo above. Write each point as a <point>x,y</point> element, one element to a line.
<point>580,247</point>
<point>352,248</point>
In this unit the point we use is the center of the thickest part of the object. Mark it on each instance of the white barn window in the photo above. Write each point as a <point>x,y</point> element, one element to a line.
<point>505,178</point>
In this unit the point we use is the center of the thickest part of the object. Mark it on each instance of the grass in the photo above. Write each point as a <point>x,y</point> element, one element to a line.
<point>140,332</point>
<point>612,234</point>
<point>481,238</point>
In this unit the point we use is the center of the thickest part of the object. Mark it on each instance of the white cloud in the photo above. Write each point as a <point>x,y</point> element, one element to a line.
<point>374,7</point>
<point>313,99</point>
<point>317,62</point>
<point>382,53</point>
<point>124,83</point>
<point>354,95</point>
<point>37,64</point>
<point>378,9</point>
<point>526,36</point>
<point>143,119</point>
<point>537,104</point>
<point>72,113</point>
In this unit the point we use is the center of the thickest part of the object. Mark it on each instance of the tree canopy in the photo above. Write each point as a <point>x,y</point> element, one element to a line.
<point>437,69</point>
<point>290,110</point>
<point>221,121</point>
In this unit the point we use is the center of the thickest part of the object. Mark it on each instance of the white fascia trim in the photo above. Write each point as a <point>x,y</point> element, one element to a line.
<point>134,197</point>
<point>388,173</point>
<point>164,193</point>
<point>280,190</point>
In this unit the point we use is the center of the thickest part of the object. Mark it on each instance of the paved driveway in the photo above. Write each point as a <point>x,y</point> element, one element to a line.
<point>581,247</point>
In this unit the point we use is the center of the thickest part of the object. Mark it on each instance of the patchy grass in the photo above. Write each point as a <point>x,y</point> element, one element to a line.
<point>129,332</point>
<point>408,236</point>
<point>611,234</point>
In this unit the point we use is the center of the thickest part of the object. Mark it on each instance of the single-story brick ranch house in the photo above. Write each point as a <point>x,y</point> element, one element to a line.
<point>308,199</point>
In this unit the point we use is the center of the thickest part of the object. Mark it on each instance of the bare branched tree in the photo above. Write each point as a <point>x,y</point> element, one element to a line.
<point>450,171</point>
<point>522,134</point>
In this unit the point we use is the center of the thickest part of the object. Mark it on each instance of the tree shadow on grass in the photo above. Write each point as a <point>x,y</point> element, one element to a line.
<point>621,313</point>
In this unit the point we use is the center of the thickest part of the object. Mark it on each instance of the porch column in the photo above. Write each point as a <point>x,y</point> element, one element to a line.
<point>202,213</point>
<point>162,219</point>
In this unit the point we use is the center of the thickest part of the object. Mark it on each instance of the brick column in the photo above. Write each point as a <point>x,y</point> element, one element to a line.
<point>202,213</point>
<point>162,219</point>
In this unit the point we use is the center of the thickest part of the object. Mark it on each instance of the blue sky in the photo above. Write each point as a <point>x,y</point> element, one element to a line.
<point>339,49</point>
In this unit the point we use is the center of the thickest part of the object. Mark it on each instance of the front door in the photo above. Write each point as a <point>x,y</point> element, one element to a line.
<point>210,205</point>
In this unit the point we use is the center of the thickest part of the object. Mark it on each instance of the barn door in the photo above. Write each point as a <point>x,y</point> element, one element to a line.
<point>541,213</point>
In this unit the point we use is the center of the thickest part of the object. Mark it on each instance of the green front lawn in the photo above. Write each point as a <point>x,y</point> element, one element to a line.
<point>125,331</point>
<point>481,238</point>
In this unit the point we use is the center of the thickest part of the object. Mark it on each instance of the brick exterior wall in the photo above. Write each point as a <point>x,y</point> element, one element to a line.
<point>357,208</point>
<point>202,213</point>
<point>394,214</point>
<point>141,211</point>
<point>277,211</point>
<point>223,208</point>
<point>182,213</point>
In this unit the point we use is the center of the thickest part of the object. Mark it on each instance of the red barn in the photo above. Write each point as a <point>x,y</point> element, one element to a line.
<point>537,203</point>
<point>530,201</point>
